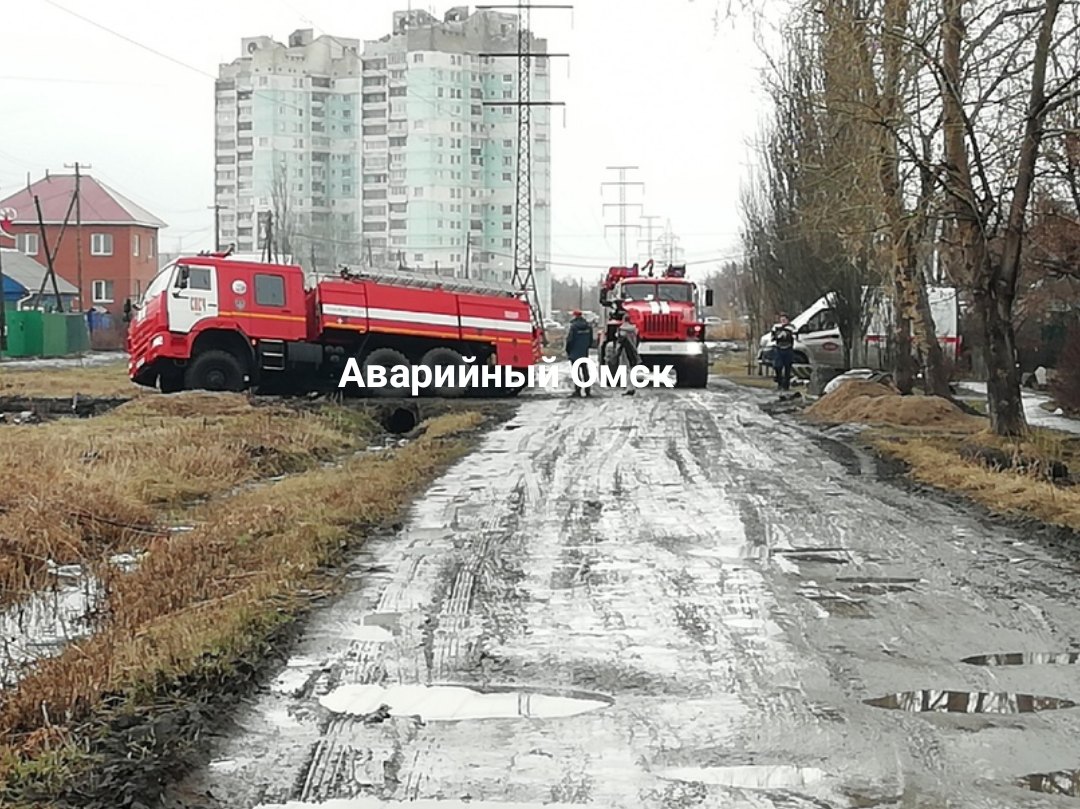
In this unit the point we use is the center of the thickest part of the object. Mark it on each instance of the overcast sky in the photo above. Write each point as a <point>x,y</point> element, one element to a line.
<point>651,83</point>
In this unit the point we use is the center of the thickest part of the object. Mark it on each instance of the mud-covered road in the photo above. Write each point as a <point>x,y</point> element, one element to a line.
<point>671,600</point>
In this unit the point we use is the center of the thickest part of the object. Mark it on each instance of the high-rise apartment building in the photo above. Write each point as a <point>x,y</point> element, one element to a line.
<point>389,153</point>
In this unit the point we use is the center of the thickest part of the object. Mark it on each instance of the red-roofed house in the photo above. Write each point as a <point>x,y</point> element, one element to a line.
<point>119,238</point>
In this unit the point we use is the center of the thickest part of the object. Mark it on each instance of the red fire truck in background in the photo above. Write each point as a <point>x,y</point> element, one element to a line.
<point>667,311</point>
<point>210,322</point>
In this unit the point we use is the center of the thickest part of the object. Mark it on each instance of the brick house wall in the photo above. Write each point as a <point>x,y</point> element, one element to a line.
<point>118,261</point>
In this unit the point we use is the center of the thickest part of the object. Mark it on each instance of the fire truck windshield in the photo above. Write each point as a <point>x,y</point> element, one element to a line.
<point>676,293</point>
<point>158,285</point>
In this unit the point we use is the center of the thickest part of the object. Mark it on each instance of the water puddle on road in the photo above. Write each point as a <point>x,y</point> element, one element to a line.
<point>452,703</point>
<point>877,586</point>
<point>1063,782</point>
<point>969,702</point>
<point>1025,659</point>
<point>783,776</point>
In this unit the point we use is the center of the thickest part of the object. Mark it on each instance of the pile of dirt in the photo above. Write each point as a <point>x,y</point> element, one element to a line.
<point>874,403</point>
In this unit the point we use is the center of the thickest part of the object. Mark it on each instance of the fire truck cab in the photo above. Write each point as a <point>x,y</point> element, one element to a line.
<point>215,323</point>
<point>667,310</point>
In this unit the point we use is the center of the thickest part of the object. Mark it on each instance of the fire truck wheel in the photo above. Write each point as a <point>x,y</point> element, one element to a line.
<point>215,371</point>
<point>445,358</point>
<point>386,358</point>
<point>693,374</point>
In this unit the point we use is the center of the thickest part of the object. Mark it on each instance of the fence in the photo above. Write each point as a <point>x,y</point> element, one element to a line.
<point>41,334</point>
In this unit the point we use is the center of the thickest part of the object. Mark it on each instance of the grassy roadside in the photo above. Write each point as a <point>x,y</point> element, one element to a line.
<point>204,607</point>
<point>106,380</point>
<point>733,367</point>
<point>946,449</point>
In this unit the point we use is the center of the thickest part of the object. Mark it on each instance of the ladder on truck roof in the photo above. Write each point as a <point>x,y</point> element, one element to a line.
<point>429,281</point>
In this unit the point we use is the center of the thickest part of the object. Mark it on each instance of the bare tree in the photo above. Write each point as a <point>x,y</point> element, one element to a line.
<point>989,222</point>
<point>283,208</point>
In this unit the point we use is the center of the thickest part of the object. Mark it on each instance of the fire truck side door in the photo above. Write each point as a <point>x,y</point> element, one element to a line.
<point>193,296</point>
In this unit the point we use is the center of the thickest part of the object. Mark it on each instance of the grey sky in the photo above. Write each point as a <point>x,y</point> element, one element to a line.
<point>651,83</point>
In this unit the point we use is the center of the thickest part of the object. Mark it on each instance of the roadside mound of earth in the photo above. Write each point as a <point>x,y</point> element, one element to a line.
<point>867,402</point>
<point>189,403</point>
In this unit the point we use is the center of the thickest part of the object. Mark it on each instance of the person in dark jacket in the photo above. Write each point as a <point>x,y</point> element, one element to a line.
<point>579,339</point>
<point>783,352</point>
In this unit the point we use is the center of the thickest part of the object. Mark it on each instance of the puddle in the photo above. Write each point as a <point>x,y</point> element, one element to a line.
<point>784,776</point>
<point>43,624</point>
<point>420,803</point>
<point>877,586</point>
<point>1063,782</point>
<point>1025,659</point>
<point>450,703</point>
<point>971,702</point>
<point>813,557</point>
<point>841,606</point>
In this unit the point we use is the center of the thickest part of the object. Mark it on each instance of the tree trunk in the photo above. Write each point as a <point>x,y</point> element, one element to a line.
<point>1003,378</point>
<point>903,362</point>
<point>935,374</point>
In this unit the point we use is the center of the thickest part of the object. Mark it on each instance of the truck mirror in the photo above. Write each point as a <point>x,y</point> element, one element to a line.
<point>708,297</point>
<point>603,297</point>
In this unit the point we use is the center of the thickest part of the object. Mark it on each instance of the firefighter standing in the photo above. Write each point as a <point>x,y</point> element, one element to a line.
<point>626,336</point>
<point>783,352</point>
<point>579,339</point>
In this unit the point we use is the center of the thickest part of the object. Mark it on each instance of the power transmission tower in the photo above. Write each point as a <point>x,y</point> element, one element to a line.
<point>78,228</point>
<point>524,276</point>
<point>669,245</point>
<point>649,239</point>
<point>622,205</point>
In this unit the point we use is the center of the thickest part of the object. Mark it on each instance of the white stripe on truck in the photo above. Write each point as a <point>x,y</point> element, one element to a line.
<point>426,318</point>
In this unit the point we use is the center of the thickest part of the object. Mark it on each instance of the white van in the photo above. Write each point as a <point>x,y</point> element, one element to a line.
<point>818,342</point>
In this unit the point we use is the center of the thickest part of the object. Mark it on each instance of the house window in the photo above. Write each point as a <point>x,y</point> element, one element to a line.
<point>27,243</point>
<point>135,244</point>
<point>269,290</point>
<point>101,245</point>
<point>103,291</point>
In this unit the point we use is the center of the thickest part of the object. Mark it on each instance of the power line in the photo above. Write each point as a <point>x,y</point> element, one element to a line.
<point>622,205</point>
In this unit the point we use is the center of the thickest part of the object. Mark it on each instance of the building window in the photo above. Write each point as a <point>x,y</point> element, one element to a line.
<point>418,257</point>
<point>103,292</point>
<point>269,290</point>
<point>418,57</point>
<point>101,245</point>
<point>27,243</point>
<point>135,244</point>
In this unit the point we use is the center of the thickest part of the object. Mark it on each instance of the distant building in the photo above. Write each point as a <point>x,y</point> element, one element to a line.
<point>387,152</point>
<point>119,238</point>
<point>27,284</point>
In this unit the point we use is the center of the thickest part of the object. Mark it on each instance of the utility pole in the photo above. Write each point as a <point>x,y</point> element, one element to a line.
<point>524,277</point>
<point>216,208</point>
<point>468,256</point>
<point>622,205</point>
<point>649,238</point>
<point>78,228</point>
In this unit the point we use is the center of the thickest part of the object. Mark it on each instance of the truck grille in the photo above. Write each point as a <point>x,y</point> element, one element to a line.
<point>660,324</point>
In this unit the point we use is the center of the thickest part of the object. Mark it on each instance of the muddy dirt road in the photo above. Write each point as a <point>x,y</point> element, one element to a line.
<point>671,600</point>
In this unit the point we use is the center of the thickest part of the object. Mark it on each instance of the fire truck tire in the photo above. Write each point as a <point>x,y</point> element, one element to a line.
<point>444,357</point>
<point>693,374</point>
<point>215,371</point>
<point>171,380</point>
<point>387,358</point>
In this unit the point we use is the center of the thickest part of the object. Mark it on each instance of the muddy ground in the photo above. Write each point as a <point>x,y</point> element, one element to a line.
<point>672,600</point>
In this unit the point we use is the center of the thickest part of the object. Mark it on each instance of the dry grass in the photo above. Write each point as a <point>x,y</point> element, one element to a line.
<point>866,402</point>
<point>77,488</point>
<point>939,463</point>
<point>217,590</point>
<point>109,380</point>
<point>732,366</point>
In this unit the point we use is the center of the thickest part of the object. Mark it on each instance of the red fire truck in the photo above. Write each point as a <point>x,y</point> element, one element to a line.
<point>211,322</point>
<point>666,309</point>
